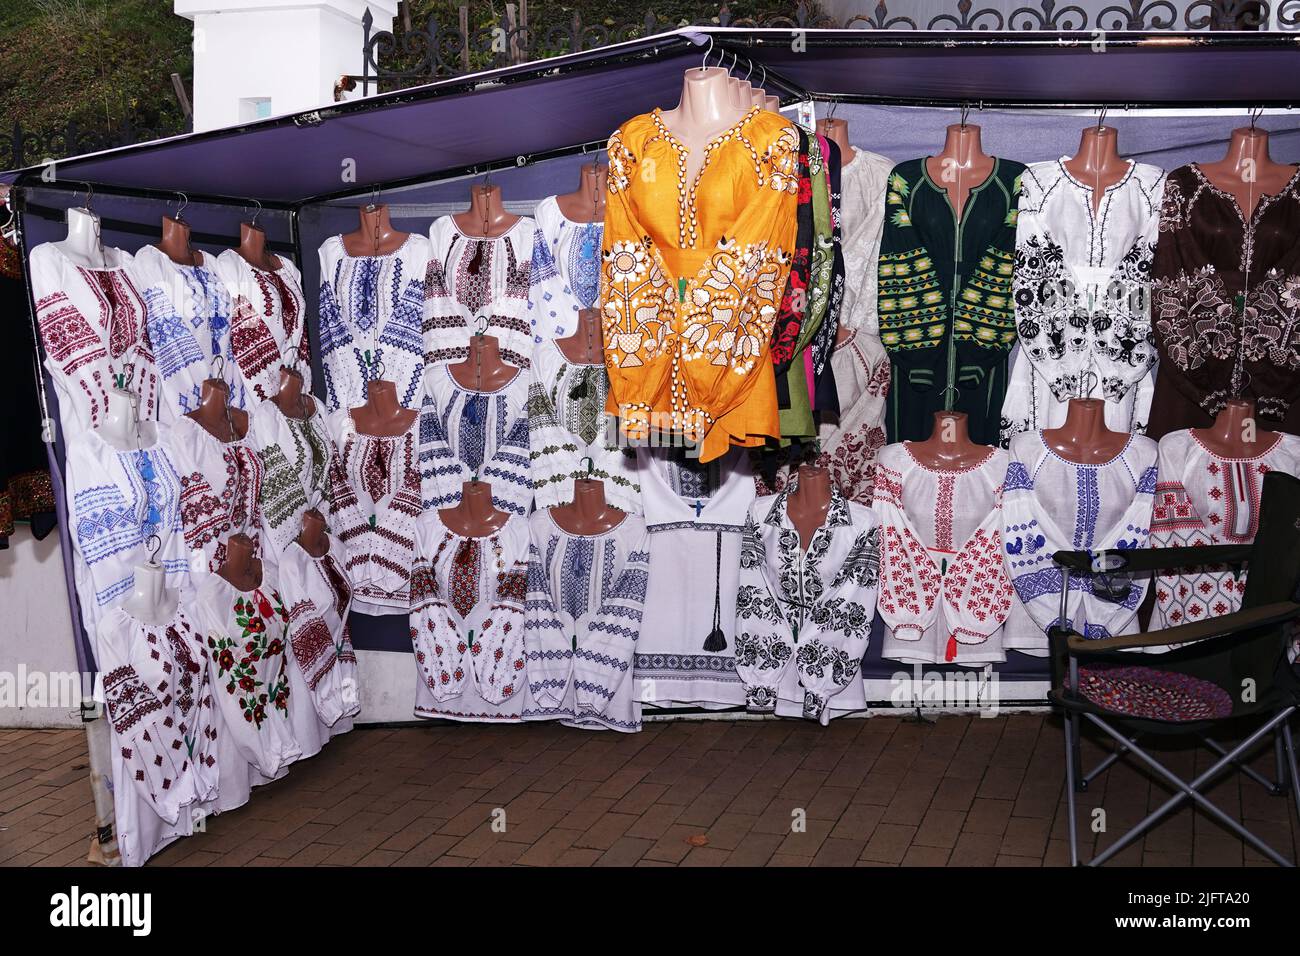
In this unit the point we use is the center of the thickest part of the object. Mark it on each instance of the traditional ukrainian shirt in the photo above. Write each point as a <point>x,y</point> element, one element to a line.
<point>944,594</point>
<point>221,490</point>
<point>803,617</point>
<point>374,501</point>
<point>319,597</point>
<point>1081,287</point>
<point>160,707</point>
<point>189,312</point>
<point>1204,499</point>
<point>464,432</point>
<point>565,275</point>
<point>864,180</point>
<point>477,285</point>
<point>1049,505</point>
<point>586,597</point>
<point>372,314</point>
<point>269,324</point>
<point>467,621</point>
<point>92,323</point>
<point>567,424</point>
<point>695,514</point>
<point>296,455</point>
<point>116,501</point>
<point>693,276</point>
<point>247,633</point>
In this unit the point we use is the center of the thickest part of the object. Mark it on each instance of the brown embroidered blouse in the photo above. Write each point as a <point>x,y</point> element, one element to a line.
<point>1226,305</point>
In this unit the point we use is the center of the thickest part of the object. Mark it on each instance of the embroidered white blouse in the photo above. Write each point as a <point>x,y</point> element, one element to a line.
<point>372,314</point>
<point>944,593</point>
<point>467,621</point>
<point>374,502</point>
<point>247,634</point>
<point>221,490</point>
<point>1204,499</point>
<point>478,285</point>
<point>188,311</point>
<point>803,617</point>
<point>319,597</point>
<point>567,424</point>
<point>295,455</point>
<point>863,184</point>
<point>1081,287</point>
<point>269,324</point>
<point>1049,505</point>
<point>586,597</point>
<point>564,277</point>
<point>695,514</point>
<point>92,323</point>
<point>464,432</point>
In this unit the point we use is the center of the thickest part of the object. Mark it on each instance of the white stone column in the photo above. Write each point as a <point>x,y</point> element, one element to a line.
<point>257,58</point>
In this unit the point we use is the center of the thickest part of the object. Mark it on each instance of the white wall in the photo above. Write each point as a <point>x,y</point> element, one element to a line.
<point>290,52</point>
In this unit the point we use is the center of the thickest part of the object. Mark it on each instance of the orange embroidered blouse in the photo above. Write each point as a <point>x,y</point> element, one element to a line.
<point>692,278</point>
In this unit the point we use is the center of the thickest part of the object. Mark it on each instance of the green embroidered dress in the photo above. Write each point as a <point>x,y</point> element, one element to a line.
<point>946,315</point>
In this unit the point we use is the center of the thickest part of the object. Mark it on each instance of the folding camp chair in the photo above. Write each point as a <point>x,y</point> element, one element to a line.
<point>1228,668</point>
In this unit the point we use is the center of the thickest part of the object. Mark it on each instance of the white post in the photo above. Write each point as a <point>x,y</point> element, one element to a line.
<point>259,58</point>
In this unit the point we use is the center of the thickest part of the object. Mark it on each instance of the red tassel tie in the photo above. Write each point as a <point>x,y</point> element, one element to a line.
<point>950,654</point>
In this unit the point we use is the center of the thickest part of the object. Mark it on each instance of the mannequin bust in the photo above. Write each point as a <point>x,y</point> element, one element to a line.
<point>149,601</point>
<point>175,243</point>
<point>949,447</point>
<point>837,131</point>
<point>240,568</point>
<point>587,202</point>
<point>961,165</point>
<point>1227,436</point>
<point>474,516</point>
<point>588,513</point>
<point>486,217</point>
<point>810,501</point>
<point>1098,162</point>
<point>584,346</point>
<point>290,398</point>
<point>382,416</point>
<point>1247,172</point>
<point>483,370</point>
<point>312,537</point>
<point>121,426</point>
<point>742,93</point>
<point>704,110</point>
<point>252,248</point>
<point>772,104</point>
<point>375,236</point>
<point>1084,438</point>
<point>82,244</point>
<point>215,414</point>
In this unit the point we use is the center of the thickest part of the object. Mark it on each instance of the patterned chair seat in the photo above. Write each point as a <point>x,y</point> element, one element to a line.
<point>1153,694</point>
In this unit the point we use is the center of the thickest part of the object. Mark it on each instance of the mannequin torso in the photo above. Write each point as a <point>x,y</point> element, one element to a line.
<point>486,217</point>
<point>587,202</point>
<point>961,166</point>
<point>483,370</point>
<point>1227,437</point>
<point>949,447</point>
<point>382,415</point>
<point>120,426</point>
<point>312,538</point>
<point>149,601</point>
<point>1247,172</point>
<point>837,131</point>
<point>1084,439</point>
<point>474,516</point>
<point>216,416</point>
<point>290,398</point>
<point>82,244</point>
<point>584,346</point>
<point>252,248</point>
<point>588,513</point>
<point>375,236</point>
<point>705,110</point>
<point>809,503</point>
<point>175,243</point>
<point>1098,163</point>
<point>241,569</point>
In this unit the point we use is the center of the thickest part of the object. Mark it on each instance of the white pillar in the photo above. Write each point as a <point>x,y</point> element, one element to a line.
<point>258,58</point>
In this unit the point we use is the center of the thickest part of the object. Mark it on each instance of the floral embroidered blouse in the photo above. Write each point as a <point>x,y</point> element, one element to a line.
<point>565,275</point>
<point>693,275</point>
<point>269,325</point>
<point>1226,304</point>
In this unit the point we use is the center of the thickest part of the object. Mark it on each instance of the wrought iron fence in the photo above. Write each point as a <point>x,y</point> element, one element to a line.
<point>23,147</point>
<point>439,50</point>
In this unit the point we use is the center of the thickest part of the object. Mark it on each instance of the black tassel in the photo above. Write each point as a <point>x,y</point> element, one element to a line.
<point>476,263</point>
<point>717,641</point>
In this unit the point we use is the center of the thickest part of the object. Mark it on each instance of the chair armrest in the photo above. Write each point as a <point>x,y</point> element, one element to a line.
<point>1157,559</point>
<point>1263,616</point>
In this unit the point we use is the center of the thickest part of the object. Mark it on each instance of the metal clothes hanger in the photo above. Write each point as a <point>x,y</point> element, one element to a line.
<point>181,205</point>
<point>704,63</point>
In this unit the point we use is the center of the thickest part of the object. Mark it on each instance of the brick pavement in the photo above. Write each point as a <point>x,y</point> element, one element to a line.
<point>962,791</point>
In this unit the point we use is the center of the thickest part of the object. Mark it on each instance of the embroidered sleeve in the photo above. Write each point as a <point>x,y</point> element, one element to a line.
<point>283,497</point>
<point>552,309</point>
<point>335,337</point>
<point>794,302</point>
<point>602,660</point>
<point>984,326</point>
<point>910,303</point>
<point>440,648</point>
<point>977,594</point>
<point>862,253</point>
<point>548,649</point>
<point>909,581</point>
<point>104,527</point>
<point>507,471</point>
<point>764,644</point>
<point>345,518</point>
<point>497,652</point>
